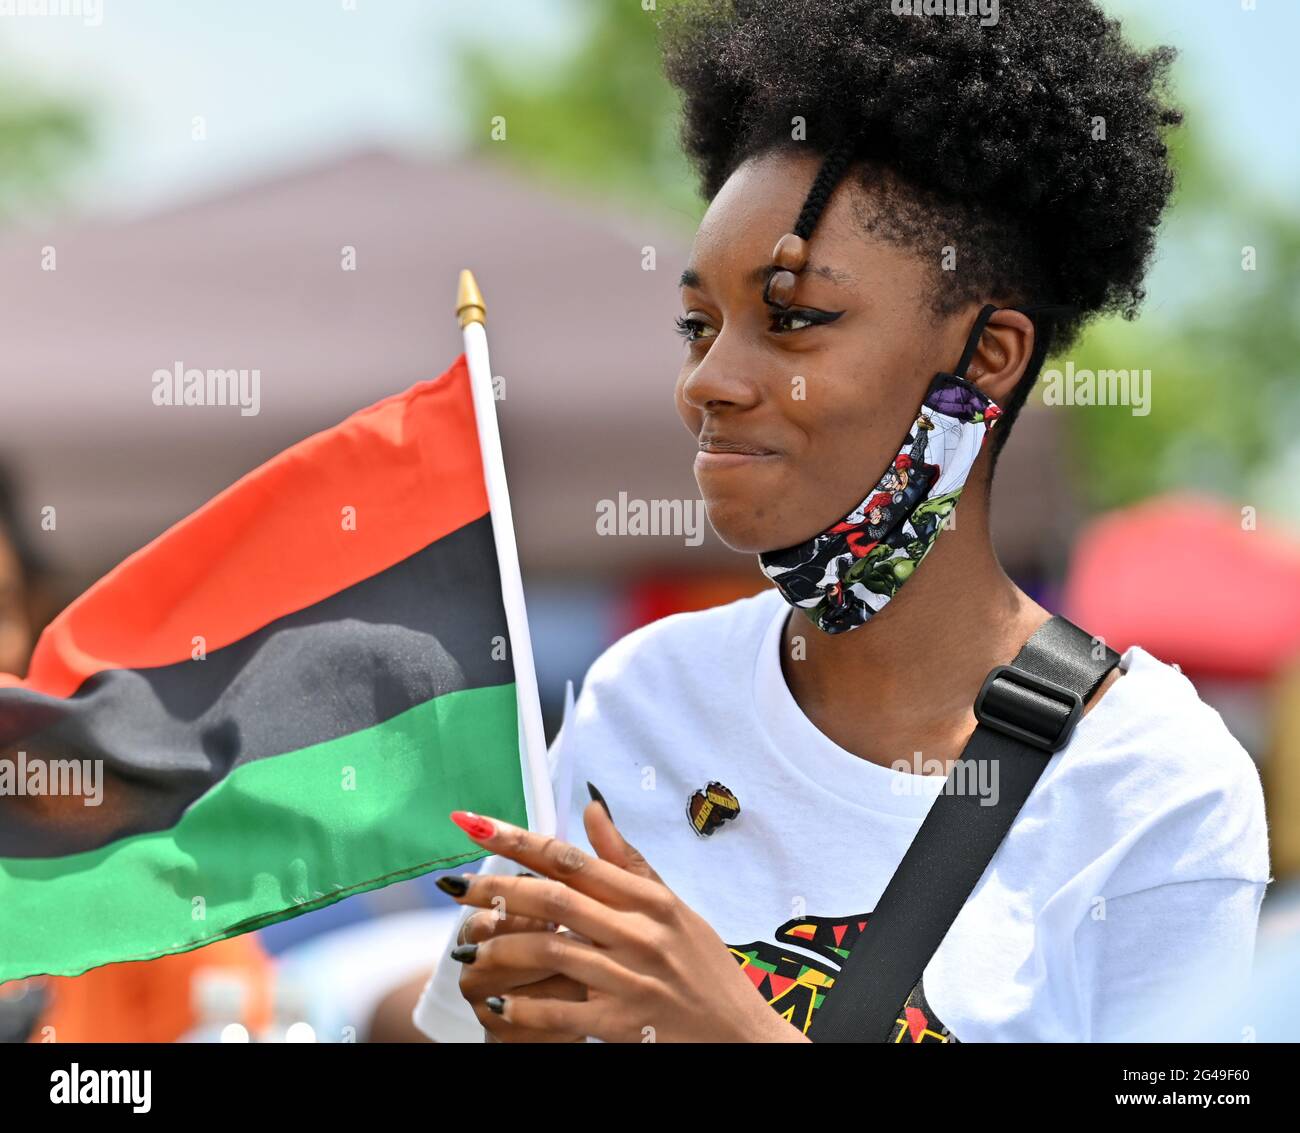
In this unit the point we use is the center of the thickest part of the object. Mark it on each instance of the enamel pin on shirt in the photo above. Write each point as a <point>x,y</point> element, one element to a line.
<point>711,806</point>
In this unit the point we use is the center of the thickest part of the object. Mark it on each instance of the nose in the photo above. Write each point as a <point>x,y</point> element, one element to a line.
<point>721,380</point>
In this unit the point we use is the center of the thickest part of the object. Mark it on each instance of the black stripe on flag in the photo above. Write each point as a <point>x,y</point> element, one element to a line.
<point>429,625</point>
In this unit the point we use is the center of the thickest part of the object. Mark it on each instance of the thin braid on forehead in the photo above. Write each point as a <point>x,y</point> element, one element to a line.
<point>790,254</point>
<point>828,176</point>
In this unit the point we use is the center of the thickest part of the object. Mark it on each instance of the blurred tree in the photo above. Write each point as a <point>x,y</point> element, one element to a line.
<point>1222,344</point>
<point>41,136</point>
<point>602,117</point>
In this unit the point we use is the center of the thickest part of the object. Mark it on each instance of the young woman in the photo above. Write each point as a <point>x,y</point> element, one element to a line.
<point>906,212</point>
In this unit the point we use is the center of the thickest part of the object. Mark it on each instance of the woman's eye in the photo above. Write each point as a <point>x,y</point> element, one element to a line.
<point>694,329</point>
<point>790,320</point>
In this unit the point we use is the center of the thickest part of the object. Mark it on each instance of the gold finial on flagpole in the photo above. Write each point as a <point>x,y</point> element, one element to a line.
<point>469,301</point>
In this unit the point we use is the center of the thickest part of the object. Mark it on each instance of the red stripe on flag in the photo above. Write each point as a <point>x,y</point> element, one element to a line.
<point>275,541</point>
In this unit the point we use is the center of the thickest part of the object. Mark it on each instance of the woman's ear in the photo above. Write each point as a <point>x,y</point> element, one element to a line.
<point>1003,354</point>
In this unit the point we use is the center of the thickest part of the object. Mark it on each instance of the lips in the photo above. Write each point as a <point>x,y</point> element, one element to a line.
<point>728,446</point>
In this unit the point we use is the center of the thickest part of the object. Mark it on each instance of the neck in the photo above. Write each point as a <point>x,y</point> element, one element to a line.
<point>905,682</point>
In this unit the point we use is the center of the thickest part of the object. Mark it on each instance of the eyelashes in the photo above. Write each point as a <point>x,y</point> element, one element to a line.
<point>693,330</point>
<point>690,329</point>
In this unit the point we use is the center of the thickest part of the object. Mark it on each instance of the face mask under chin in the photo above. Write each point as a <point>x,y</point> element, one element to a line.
<point>842,577</point>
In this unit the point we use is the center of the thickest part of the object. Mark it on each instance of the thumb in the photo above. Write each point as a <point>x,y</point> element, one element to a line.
<point>608,843</point>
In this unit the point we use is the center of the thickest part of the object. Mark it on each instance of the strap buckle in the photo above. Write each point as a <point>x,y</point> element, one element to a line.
<point>1028,708</point>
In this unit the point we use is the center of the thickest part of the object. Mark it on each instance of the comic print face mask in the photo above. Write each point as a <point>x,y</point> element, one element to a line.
<point>843,576</point>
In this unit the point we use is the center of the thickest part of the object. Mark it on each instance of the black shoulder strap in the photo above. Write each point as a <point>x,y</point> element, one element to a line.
<point>1026,711</point>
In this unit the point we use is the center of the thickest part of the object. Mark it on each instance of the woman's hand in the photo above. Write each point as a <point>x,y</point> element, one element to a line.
<point>654,970</point>
<point>481,977</point>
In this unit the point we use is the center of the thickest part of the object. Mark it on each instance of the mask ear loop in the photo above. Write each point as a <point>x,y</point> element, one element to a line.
<point>973,340</point>
<point>988,311</point>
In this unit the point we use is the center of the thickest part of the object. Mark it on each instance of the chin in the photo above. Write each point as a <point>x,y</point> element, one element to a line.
<point>759,507</point>
<point>740,528</point>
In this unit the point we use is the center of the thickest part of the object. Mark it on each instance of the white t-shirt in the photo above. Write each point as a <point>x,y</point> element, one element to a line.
<point>1130,881</point>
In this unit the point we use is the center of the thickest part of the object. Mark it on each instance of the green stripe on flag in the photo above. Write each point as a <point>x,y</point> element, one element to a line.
<point>275,838</point>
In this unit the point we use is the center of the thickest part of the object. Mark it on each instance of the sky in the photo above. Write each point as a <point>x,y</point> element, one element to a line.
<point>291,82</point>
<point>279,84</point>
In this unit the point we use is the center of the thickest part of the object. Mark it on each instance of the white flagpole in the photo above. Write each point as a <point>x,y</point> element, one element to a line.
<point>472,315</point>
<point>564,767</point>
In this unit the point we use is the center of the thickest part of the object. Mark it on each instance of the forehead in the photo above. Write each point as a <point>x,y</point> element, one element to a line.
<point>763,195</point>
<point>761,201</point>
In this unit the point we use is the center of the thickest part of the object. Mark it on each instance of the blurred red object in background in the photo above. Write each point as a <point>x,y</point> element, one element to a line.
<point>652,597</point>
<point>152,1001</point>
<point>1191,582</point>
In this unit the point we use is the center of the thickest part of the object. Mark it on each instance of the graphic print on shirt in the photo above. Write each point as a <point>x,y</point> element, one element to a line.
<point>795,985</point>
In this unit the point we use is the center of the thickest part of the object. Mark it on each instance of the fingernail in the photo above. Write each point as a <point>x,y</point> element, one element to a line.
<point>496,1004</point>
<point>465,953</point>
<point>475,825</point>
<point>597,797</point>
<point>456,886</point>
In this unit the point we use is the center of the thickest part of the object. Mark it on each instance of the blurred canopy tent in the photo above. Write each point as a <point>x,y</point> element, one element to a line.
<point>1183,577</point>
<point>256,279</point>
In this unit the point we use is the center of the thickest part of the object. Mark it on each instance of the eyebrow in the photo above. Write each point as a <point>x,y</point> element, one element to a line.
<point>691,278</point>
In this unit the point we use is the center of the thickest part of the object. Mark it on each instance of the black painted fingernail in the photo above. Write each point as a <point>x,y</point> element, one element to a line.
<point>456,886</point>
<point>496,1004</point>
<point>597,797</point>
<point>465,953</point>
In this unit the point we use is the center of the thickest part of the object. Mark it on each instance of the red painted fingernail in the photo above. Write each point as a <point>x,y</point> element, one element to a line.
<point>475,825</point>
